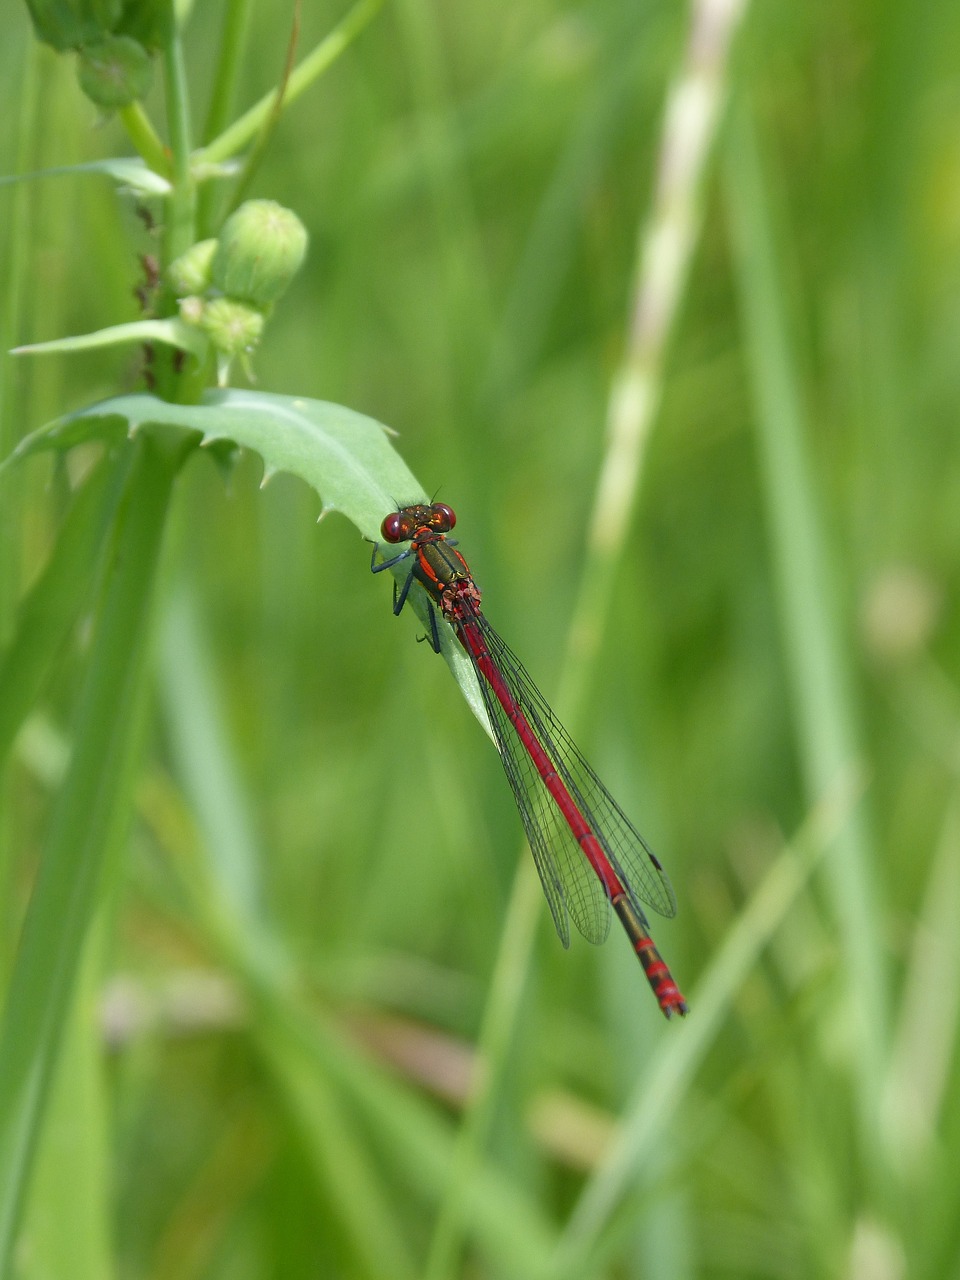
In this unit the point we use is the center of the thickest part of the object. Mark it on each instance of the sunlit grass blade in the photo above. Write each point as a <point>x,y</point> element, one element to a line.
<point>205,763</point>
<point>819,658</point>
<point>918,1085</point>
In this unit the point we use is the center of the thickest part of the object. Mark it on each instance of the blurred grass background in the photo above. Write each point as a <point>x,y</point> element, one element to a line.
<point>473,179</point>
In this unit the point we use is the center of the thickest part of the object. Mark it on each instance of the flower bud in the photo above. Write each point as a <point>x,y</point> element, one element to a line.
<point>259,251</point>
<point>149,22</point>
<point>191,310</point>
<point>115,71</point>
<point>68,24</point>
<point>190,273</point>
<point>231,326</point>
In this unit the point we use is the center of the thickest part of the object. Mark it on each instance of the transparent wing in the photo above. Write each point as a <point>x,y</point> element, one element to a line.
<point>568,879</point>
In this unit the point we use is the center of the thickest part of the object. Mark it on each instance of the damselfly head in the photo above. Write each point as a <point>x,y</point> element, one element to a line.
<point>443,518</point>
<point>409,522</point>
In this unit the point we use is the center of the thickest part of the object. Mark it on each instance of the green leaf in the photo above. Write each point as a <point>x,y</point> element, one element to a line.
<point>174,333</point>
<point>67,1231</point>
<point>51,608</point>
<point>87,826</point>
<point>345,456</point>
<point>129,171</point>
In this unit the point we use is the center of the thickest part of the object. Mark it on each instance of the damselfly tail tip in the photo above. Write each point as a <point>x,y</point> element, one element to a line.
<point>658,973</point>
<point>674,1003</point>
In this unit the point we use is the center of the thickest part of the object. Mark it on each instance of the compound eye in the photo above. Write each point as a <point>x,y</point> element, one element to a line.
<point>395,528</point>
<point>444,517</point>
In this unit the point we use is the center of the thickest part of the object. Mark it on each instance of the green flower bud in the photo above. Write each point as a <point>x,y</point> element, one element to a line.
<point>191,310</point>
<point>259,252</point>
<point>68,24</point>
<point>115,71</point>
<point>231,326</point>
<point>190,273</point>
<point>149,22</point>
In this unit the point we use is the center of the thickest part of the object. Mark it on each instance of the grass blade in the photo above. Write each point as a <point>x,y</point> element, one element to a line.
<point>88,823</point>
<point>69,1218</point>
<point>53,605</point>
<point>658,1095</point>
<point>819,662</point>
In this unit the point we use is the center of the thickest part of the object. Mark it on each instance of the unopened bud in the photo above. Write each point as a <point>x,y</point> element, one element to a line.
<point>70,24</point>
<point>231,326</point>
<point>191,310</point>
<point>149,22</point>
<point>190,273</point>
<point>114,72</point>
<point>259,251</point>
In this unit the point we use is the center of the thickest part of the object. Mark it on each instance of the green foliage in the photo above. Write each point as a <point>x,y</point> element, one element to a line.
<point>345,456</point>
<point>272,1006</point>
<point>69,24</point>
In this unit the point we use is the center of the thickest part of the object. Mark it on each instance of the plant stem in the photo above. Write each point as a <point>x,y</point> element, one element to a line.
<point>144,137</point>
<point>313,66</point>
<point>180,228</point>
<point>256,153</point>
<point>235,23</point>
<point>177,378</point>
<point>15,271</point>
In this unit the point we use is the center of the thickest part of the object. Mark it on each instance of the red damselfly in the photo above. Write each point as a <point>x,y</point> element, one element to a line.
<point>588,852</point>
